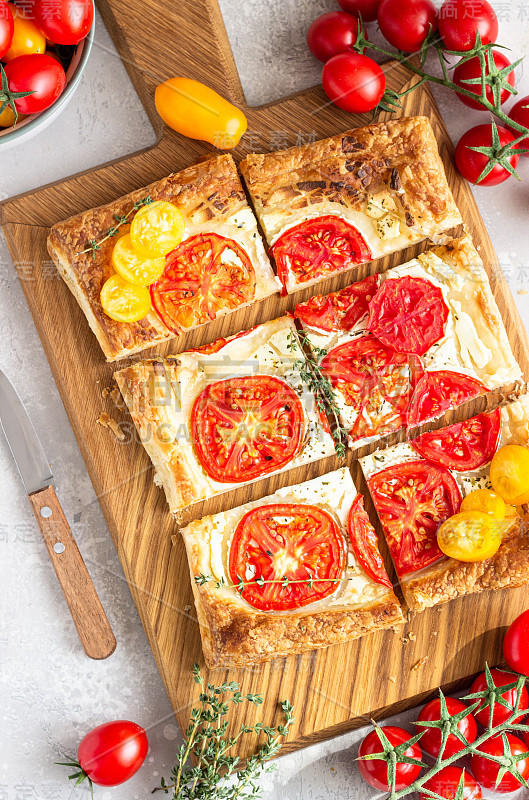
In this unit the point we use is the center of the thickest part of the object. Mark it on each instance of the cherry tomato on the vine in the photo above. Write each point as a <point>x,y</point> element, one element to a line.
<point>367,9</point>
<point>27,37</point>
<point>520,113</point>
<point>472,69</point>
<point>353,82</point>
<point>7,26</point>
<point>111,753</point>
<point>64,21</point>
<point>446,784</point>
<point>431,739</point>
<point>375,771</point>
<point>501,713</point>
<point>486,771</point>
<point>332,33</point>
<point>471,164</point>
<point>407,23</point>
<point>461,20</point>
<point>39,74</point>
<point>516,645</point>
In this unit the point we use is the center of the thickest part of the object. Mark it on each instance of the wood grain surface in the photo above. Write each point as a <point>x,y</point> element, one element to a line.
<point>332,690</point>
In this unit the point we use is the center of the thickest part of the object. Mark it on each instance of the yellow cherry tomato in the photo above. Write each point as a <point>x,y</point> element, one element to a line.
<point>486,501</point>
<point>509,474</point>
<point>7,117</point>
<point>26,36</point>
<point>510,511</point>
<point>123,301</point>
<point>195,110</point>
<point>470,536</point>
<point>157,229</point>
<point>134,267</point>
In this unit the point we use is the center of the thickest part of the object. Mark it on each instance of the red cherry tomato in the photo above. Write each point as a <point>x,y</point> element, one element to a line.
<point>520,113</point>
<point>375,771</point>
<point>486,771</point>
<point>446,784</point>
<point>516,644</point>
<point>407,23</point>
<point>353,82</point>
<point>431,740</point>
<point>64,21</point>
<point>332,33</point>
<point>367,9</point>
<point>7,27</point>
<point>472,69</point>
<point>37,73</point>
<point>501,713</point>
<point>460,21</point>
<point>111,753</point>
<point>471,164</point>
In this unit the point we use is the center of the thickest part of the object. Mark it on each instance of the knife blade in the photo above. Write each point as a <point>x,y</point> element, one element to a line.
<point>85,606</point>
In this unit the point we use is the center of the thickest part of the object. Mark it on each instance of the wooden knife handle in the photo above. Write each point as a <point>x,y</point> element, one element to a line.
<point>85,606</point>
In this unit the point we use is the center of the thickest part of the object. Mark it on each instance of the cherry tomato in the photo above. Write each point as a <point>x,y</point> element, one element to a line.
<point>157,229</point>
<point>375,771</point>
<point>113,752</point>
<point>471,164</point>
<point>367,9</point>
<point>462,446</point>
<point>39,74</point>
<point>7,117</point>
<point>353,82</point>
<point>123,301</point>
<point>440,390</point>
<point>446,784</point>
<point>501,713</point>
<point>332,33</point>
<point>486,771</point>
<point>486,501</point>
<point>431,739</point>
<point>26,38</point>
<point>516,646</point>
<point>407,23</point>
<point>339,311</point>
<point>64,21</point>
<point>460,21</point>
<point>470,536</point>
<point>509,474</point>
<point>133,267</point>
<point>472,69</point>
<point>364,542</point>
<point>520,113</point>
<point>7,27</point>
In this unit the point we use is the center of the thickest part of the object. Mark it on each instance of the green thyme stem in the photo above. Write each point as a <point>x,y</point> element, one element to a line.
<point>95,244</point>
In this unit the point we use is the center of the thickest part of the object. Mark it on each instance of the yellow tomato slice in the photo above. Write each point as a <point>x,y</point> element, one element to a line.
<point>509,474</point>
<point>486,501</point>
<point>134,267</point>
<point>123,301</point>
<point>157,229</point>
<point>470,536</point>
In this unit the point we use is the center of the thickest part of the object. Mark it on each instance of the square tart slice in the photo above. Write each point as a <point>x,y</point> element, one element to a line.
<point>306,533</point>
<point>413,497</point>
<point>328,206</point>
<point>227,414</point>
<point>440,305</point>
<point>219,265</point>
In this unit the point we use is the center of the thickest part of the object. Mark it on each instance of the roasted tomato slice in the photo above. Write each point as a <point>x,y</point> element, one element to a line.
<point>243,428</point>
<point>204,274</point>
<point>318,247</point>
<point>438,391</point>
<point>464,446</point>
<point>339,311</point>
<point>408,314</point>
<point>412,500</point>
<point>376,381</point>
<point>287,540</point>
<point>365,543</point>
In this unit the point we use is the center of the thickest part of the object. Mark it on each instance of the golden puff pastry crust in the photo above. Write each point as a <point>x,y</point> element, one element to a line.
<point>235,634</point>
<point>211,198</point>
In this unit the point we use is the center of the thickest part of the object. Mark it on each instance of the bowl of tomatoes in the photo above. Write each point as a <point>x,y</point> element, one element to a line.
<point>44,48</point>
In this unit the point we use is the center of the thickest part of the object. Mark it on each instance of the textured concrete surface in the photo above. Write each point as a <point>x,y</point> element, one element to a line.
<point>51,693</point>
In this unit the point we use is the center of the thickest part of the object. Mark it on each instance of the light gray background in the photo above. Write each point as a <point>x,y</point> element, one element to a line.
<point>51,693</point>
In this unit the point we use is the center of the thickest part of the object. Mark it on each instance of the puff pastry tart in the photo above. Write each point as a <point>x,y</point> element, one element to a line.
<point>328,206</point>
<point>216,264</point>
<point>416,486</point>
<point>317,536</point>
<point>411,343</point>
<point>227,414</point>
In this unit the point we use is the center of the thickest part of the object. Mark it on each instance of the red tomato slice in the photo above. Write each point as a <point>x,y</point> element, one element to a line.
<point>464,446</point>
<point>438,391</point>
<point>376,381</point>
<point>317,248</point>
<point>243,428</point>
<point>204,274</point>
<point>364,542</point>
<point>412,501</point>
<point>408,314</point>
<point>287,540</point>
<point>339,311</point>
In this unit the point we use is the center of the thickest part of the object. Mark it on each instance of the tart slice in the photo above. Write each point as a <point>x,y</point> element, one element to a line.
<point>295,571</point>
<point>339,202</point>
<point>183,251</point>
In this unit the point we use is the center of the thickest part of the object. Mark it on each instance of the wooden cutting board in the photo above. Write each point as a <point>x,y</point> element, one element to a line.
<point>332,690</point>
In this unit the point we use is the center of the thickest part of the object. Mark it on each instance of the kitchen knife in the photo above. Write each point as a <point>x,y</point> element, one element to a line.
<point>85,607</point>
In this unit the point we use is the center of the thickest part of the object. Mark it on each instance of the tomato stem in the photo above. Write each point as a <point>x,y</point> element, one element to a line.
<point>7,97</point>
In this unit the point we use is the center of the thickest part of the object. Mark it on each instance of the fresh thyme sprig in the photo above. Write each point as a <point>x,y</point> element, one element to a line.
<point>202,579</point>
<point>447,725</point>
<point>95,244</point>
<point>218,775</point>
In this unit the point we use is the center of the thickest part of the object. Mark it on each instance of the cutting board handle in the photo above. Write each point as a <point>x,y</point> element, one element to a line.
<point>85,606</point>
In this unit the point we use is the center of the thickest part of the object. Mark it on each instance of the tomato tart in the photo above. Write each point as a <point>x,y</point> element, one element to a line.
<point>295,571</point>
<point>188,255</point>
<point>227,414</point>
<point>418,485</point>
<point>331,205</point>
<point>407,345</point>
